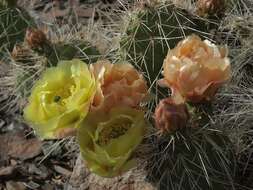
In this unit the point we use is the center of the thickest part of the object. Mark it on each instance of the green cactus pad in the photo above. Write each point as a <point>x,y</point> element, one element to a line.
<point>14,22</point>
<point>68,51</point>
<point>198,159</point>
<point>152,31</point>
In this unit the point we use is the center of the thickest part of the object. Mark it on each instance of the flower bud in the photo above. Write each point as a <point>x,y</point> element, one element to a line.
<point>170,116</point>
<point>210,7</point>
<point>35,38</point>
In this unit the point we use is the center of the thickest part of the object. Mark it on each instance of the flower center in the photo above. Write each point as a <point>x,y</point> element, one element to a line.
<point>62,94</point>
<point>114,130</point>
<point>57,98</point>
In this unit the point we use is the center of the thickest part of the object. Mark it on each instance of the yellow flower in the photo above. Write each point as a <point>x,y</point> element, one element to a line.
<point>107,140</point>
<point>120,85</point>
<point>195,69</point>
<point>60,99</point>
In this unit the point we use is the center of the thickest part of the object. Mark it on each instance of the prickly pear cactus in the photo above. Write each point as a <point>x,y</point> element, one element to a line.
<point>14,21</point>
<point>196,159</point>
<point>37,40</point>
<point>31,57</point>
<point>152,31</point>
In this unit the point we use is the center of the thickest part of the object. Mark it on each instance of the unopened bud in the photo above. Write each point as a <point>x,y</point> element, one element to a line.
<point>35,38</point>
<point>170,116</point>
<point>210,7</point>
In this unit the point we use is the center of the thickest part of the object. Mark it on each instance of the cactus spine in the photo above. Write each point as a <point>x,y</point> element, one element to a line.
<point>193,159</point>
<point>14,22</point>
<point>62,50</point>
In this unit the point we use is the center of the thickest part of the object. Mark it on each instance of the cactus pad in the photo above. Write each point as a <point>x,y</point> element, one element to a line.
<point>202,159</point>
<point>14,21</point>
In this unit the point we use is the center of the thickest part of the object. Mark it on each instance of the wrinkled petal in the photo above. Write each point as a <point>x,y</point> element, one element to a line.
<point>195,69</point>
<point>120,85</point>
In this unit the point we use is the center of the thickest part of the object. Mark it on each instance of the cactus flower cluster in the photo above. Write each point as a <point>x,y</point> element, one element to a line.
<point>116,125</point>
<point>100,102</point>
<point>194,70</point>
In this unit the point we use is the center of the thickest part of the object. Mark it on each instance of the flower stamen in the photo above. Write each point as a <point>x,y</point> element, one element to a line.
<point>57,99</point>
<point>113,131</point>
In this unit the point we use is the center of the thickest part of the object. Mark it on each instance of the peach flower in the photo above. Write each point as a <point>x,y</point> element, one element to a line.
<point>120,85</point>
<point>195,70</point>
